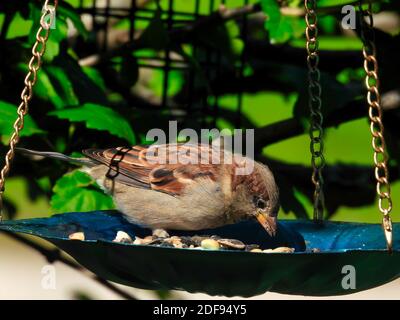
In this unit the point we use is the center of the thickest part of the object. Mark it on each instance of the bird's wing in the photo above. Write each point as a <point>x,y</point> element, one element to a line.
<point>165,168</point>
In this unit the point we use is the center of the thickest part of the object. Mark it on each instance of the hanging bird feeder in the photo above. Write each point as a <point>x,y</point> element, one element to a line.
<point>321,249</point>
<point>226,272</point>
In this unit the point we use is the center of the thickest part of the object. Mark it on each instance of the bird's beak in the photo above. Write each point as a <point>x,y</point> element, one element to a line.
<point>268,222</point>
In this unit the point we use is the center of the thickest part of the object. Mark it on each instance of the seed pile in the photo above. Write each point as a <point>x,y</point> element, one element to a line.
<point>197,242</point>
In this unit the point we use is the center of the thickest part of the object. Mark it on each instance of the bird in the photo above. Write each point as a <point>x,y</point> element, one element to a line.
<point>192,188</point>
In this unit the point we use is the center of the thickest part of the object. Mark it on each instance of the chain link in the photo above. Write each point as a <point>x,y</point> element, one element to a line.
<point>375,116</point>
<point>316,118</point>
<point>34,65</point>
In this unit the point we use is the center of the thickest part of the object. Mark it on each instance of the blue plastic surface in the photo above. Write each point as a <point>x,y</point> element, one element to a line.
<point>226,272</point>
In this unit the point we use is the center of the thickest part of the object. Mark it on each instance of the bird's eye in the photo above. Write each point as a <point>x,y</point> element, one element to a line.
<point>260,203</point>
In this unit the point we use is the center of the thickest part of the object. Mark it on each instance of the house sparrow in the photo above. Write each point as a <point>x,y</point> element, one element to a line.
<point>183,194</point>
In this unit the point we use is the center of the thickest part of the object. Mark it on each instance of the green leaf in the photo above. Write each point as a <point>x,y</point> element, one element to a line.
<point>19,27</point>
<point>63,85</point>
<point>34,15</point>
<point>328,24</point>
<point>55,86</point>
<point>95,76</point>
<point>99,118</point>
<point>329,3</point>
<point>289,28</point>
<point>59,34</point>
<point>8,115</point>
<point>83,87</point>
<point>271,9</point>
<point>280,28</point>
<point>77,191</point>
<point>77,3</point>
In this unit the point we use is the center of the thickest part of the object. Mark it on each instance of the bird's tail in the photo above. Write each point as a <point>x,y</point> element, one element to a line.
<point>58,156</point>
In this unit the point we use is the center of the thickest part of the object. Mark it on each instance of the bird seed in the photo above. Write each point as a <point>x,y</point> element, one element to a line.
<point>202,242</point>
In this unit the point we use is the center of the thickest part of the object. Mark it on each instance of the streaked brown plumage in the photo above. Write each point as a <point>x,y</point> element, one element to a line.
<point>182,195</point>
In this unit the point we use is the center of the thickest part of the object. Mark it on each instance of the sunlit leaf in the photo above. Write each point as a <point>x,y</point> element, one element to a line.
<point>328,3</point>
<point>98,117</point>
<point>271,9</point>
<point>77,191</point>
<point>95,76</point>
<point>59,34</point>
<point>328,24</point>
<point>281,28</point>
<point>19,27</point>
<point>8,115</point>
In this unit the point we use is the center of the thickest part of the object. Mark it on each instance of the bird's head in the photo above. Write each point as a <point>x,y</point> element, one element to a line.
<point>258,196</point>
<point>266,214</point>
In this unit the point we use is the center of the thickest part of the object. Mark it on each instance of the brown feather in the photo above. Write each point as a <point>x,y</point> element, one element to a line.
<point>135,166</point>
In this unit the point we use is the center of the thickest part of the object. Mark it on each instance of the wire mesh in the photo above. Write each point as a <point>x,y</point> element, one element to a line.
<point>202,107</point>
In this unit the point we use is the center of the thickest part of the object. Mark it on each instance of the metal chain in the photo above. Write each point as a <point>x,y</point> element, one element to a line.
<point>316,118</point>
<point>34,65</point>
<point>375,116</point>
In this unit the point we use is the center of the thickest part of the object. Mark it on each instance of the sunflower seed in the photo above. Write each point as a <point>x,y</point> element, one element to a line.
<point>232,243</point>
<point>198,239</point>
<point>283,249</point>
<point>123,237</point>
<point>77,236</point>
<point>138,240</point>
<point>210,244</point>
<point>160,233</point>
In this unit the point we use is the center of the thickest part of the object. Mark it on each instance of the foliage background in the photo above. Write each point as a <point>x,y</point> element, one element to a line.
<point>115,102</point>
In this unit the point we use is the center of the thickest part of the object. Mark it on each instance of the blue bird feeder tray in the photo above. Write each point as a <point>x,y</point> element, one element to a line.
<point>227,272</point>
